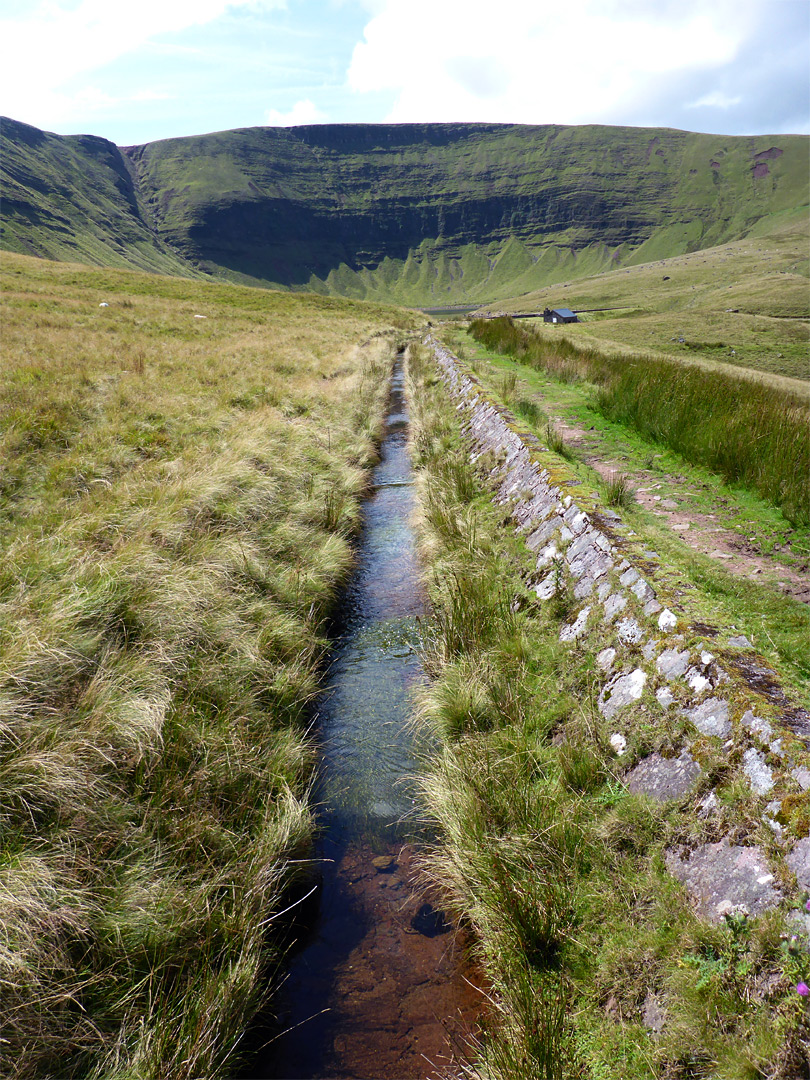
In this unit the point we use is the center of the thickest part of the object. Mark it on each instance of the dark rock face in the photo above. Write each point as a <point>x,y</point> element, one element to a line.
<point>357,194</point>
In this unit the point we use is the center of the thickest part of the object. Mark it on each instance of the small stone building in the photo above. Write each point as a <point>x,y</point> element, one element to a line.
<point>559,315</point>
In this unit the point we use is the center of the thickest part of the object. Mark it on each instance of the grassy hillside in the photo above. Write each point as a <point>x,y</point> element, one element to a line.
<point>456,211</point>
<point>430,214</point>
<point>73,198</point>
<point>183,466</point>
<point>745,303</point>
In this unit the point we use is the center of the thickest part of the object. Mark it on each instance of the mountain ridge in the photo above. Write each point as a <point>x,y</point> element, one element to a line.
<point>414,213</point>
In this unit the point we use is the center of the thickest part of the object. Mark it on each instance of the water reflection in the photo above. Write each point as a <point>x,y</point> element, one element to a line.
<point>368,750</point>
<point>372,995</point>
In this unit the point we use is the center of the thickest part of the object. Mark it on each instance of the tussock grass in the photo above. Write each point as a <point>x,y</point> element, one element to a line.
<point>556,442</point>
<point>529,411</point>
<point>508,852</point>
<point>557,869</point>
<point>751,433</point>
<point>176,515</point>
<point>507,387</point>
<point>618,491</point>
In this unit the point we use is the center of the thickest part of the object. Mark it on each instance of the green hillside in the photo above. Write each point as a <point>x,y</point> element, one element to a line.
<point>745,303</point>
<point>74,198</point>
<point>423,214</point>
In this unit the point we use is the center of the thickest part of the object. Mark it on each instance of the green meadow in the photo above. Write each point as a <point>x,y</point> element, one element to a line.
<point>750,431</point>
<point>744,304</point>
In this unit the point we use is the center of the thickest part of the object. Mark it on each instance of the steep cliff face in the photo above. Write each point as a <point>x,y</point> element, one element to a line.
<point>449,212</point>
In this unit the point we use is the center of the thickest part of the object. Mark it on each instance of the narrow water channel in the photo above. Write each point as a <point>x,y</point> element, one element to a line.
<point>380,990</point>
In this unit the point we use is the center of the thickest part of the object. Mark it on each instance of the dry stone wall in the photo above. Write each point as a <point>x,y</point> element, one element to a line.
<point>646,650</point>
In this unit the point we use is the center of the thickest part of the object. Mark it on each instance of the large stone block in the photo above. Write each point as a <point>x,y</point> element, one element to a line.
<point>711,718</point>
<point>621,691</point>
<point>723,878</point>
<point>664,778</point>
<point>799,862</point>
<point>672,663</point>
<point>577,628</point>
<point>760,776</point>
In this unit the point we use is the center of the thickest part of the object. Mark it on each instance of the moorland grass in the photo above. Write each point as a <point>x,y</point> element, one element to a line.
<point>554,865</point>
<point>749,432</point>
<point>618,491</point>
<point>178,500</point>
<point>778,624</point>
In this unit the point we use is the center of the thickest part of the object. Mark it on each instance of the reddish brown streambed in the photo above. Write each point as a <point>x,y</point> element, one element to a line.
<point>380,988</point>
<point>397,1003</point>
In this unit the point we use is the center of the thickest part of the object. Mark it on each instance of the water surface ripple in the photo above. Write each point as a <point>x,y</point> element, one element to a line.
<point>377,992</point>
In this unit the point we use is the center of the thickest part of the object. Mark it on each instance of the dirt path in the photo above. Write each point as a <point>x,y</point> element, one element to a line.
<point>674,500</point>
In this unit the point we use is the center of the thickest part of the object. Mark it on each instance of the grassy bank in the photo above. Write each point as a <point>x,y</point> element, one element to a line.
<point>183,467</point>
<point>556,867</point>
<point>748,432</point>
<point>710,593</point>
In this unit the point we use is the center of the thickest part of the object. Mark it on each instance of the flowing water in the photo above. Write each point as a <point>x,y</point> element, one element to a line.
<point>380,990</point>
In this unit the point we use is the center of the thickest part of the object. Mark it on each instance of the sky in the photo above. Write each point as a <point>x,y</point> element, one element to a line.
<point>152,69</point>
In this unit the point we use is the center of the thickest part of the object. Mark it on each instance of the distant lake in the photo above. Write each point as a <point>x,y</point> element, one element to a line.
<point>449,312</point>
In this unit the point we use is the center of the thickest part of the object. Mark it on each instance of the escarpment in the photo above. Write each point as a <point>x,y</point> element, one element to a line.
<point>413,213</point>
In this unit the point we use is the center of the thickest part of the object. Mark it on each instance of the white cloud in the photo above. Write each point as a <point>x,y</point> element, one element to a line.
<point>150,95</point>
<point>57,44</point>
<point>302,112</point>
<point>104,65</point>
<point>715,100</point>
<point>534,61</point>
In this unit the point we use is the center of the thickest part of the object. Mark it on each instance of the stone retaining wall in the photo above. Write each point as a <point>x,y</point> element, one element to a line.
<point>647,650</point>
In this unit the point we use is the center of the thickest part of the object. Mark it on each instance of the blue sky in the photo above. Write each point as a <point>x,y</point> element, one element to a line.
<point>158,68</point>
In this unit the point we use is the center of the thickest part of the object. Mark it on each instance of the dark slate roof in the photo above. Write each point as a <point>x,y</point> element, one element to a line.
<point>566,313</point>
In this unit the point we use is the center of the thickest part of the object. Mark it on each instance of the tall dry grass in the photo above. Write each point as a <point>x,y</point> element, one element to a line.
<point>177,503</point>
